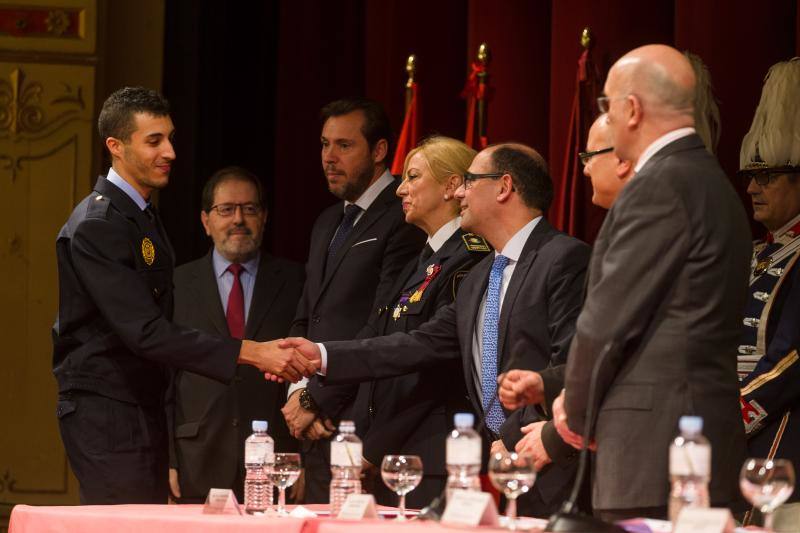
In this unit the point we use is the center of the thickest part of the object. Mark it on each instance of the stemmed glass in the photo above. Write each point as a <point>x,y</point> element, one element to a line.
<point>283,472</point>
<point>402,474</point>
<point>513,474</point>
<point>767,483</point>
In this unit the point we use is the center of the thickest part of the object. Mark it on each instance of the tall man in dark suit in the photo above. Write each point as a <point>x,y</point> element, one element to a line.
<point>667,285</point>
<point>113,341</point>
<point>358,247</point>
<point>240,291</point>
<point>515,309</point>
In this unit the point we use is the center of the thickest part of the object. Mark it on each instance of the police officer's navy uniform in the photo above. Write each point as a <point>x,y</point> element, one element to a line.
<point>114,344</point>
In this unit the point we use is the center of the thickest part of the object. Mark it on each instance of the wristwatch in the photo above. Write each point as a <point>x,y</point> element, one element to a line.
<point>307,402</point>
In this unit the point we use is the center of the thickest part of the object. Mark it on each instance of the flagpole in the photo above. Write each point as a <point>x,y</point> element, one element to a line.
<point>483,80</point>
<point>411,70</point>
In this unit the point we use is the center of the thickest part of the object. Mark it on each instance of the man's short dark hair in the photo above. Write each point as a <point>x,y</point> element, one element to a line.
<point>529,173</point>
<point>116,116</point>
<point>376,122</point>
<point>228,174</point>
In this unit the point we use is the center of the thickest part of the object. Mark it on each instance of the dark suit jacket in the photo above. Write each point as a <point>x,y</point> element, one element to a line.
<point>212,420</point>
<point>412,414</point>
<point>338,299</point>
<point>667,285</point>
<point>537,321</point>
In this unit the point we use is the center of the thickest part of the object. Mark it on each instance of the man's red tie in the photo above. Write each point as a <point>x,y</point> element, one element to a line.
<point>235,311</point>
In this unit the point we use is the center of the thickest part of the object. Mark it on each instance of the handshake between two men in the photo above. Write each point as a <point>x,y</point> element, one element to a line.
<point>280,360</point>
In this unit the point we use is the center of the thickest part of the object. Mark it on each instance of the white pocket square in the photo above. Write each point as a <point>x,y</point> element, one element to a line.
<point>366,241</point>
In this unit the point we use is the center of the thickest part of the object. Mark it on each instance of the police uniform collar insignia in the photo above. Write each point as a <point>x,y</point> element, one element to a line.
<point>475,243</point>
<point>148,251</point>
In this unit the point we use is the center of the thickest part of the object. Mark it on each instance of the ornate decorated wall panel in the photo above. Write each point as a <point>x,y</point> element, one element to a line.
<point>47,102</point>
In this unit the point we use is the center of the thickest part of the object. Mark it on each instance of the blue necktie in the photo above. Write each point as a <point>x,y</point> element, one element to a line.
<point>491,319</point>
<point>344,229</point>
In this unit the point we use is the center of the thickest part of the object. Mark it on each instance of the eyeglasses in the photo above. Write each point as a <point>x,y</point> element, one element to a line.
<point>469,177</point>
<point>603,102</point>
<point>765,176</point>
<point>228,210</point>
<point>586,156</point>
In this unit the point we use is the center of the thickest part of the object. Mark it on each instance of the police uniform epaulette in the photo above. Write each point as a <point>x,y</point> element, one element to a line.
<point>98,207</point>
<point>475,243</point>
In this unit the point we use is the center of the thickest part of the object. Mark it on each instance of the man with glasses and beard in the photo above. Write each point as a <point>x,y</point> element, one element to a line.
<point>236,290</point>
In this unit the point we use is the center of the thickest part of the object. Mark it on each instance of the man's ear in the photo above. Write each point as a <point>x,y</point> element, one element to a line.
<point>452,184</point>
<point>380,151</point>
<point>204,220</point>
<point>115,147</point>
<point>623,169</point>
<point>635,113</point>
<point>506,187</point>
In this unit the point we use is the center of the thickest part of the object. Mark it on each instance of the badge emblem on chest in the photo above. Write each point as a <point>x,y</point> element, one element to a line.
<point>148,251</point>
<point>762,266</point>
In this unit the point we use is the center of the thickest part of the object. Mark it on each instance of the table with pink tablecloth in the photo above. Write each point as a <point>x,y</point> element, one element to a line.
<point>190,518</point>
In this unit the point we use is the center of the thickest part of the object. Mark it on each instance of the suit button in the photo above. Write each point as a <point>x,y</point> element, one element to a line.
<point>315,319</point>
<point>235,422</point>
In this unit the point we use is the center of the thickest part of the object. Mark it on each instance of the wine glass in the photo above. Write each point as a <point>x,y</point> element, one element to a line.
<point>513,474</point>
<point>767,483</point>
<point>283,472</point>
<point>402,474</point>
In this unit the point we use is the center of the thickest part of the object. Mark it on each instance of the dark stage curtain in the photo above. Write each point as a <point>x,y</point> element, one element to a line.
<point>247,80</point>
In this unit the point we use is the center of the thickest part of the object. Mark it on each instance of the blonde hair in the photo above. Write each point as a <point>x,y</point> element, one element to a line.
<point>706,110</point>
<point>445,156</point>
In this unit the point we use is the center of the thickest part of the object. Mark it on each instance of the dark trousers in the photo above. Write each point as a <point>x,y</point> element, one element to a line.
<point>317,465</point>
<point>117,450</point>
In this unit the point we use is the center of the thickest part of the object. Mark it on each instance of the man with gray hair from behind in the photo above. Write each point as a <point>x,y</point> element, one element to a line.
<point>667,282</point>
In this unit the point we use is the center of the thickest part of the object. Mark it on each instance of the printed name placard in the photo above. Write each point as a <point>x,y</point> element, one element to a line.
<point>358,506</point>
<point>221,501</point>
<point>470,508</point>
<point>698,520</point>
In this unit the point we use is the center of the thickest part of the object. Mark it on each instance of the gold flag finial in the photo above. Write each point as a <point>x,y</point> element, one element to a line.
<point>483,54</point>
<point>411,69</point>
<point>586,37</point>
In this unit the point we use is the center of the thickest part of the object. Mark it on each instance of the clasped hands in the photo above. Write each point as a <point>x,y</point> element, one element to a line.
<point>518,388</point>
<point>280,360</point>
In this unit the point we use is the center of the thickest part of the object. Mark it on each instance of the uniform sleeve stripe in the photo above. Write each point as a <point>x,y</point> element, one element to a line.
<point>782,365</point>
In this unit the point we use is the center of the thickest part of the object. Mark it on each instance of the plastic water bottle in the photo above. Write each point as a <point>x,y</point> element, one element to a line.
<point>689,467</point>
<point>259,449</point>
<point>346,453</point>
<point>463,455</point>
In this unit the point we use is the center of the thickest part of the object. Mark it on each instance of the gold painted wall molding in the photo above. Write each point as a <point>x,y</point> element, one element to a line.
<point>60,26</point>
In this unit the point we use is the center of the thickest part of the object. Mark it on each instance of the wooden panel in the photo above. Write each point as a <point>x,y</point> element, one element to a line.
<point>46,136</point>
<point>63,26</point>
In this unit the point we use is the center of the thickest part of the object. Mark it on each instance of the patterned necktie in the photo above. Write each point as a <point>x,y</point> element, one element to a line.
<point>344,229</point>
<point>491,319</point>
<point>235,312</point>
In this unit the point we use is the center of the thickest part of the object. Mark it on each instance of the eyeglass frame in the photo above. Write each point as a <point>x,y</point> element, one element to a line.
<point>765,176</point>
<point>469,177</point>
<point>255,209</point>
<point>604,102</point>
<point>586,156</point>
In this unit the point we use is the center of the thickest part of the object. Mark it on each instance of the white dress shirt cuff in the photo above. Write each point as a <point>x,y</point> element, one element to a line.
<point>294,387</point>
<point>323,355</point>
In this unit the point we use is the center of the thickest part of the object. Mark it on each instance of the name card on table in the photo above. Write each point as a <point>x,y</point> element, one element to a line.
<point>698,520</point>
<point>221,501</point>
<point>470,508</point>
<point>358,506</point>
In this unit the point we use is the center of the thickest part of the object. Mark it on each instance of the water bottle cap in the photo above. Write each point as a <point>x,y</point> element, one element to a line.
<point>347,426</point>
<point>464,420</point>
<point>260,425</point>
<point>691,424</point>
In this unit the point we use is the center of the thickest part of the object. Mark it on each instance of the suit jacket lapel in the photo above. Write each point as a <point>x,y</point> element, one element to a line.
<point>526,259</point>
<point>384,200</point>
<point>266,290</point>
<point>208,296</point>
